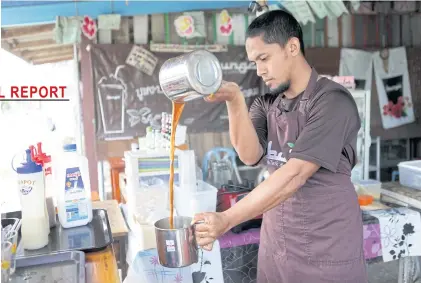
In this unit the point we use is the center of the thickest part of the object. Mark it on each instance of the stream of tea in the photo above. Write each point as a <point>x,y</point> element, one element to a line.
<point>177,110</point>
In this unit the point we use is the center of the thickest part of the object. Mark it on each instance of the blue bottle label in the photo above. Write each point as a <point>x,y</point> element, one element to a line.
<point>76,208</point>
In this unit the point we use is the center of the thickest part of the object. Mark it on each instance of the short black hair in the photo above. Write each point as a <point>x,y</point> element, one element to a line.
<point>276,26</point>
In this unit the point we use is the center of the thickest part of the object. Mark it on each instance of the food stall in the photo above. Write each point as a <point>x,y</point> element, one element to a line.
<point>112,54</point>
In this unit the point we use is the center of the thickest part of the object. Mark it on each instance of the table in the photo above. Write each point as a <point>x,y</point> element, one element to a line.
<point>396,193</point>
<point>401,194</point>
<point>239,253</point>
<point>101,267</point>
<point>119,229</point>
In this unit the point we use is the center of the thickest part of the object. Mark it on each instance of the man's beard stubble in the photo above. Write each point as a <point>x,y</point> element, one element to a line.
<point>280,88</point>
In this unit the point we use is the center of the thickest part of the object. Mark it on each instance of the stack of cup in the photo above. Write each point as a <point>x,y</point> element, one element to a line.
<point>8,254</point>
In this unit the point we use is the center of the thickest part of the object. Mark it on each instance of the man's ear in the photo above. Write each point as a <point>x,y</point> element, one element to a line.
<point>294,46</point>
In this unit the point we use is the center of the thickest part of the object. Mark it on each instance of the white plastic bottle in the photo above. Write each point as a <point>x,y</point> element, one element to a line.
<point>35,227</point>
<point>74,203</point>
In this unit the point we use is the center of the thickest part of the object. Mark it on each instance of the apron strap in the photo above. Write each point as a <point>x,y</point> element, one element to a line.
<point>275,105</point>
<point>309,91</point>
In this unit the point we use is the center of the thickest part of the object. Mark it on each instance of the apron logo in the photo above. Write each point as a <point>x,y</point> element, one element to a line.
<point>275,158</point>
<point>274,155</point>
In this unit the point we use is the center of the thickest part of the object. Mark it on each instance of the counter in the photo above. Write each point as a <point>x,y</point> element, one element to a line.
<point>101,264</point>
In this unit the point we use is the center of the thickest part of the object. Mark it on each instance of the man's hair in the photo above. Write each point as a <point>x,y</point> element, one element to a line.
<point>276,26</point>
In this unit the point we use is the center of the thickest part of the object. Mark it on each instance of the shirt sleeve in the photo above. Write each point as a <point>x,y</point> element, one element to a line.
<point>258,116</point>
<point>333,122</point>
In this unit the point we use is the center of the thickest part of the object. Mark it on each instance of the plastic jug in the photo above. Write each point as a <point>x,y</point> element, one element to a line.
<point>35,227</point>
<point>71,176</point>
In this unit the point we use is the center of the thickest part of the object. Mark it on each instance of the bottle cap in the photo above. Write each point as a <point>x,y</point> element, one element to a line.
<point>39,156</point>
<point>29,166</point>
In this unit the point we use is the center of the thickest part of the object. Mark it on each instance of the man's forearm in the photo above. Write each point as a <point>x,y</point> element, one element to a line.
<point>282,184</point>
<point>242,133</point>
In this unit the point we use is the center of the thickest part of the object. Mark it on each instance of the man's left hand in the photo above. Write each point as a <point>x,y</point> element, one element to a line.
<point>214,225</point>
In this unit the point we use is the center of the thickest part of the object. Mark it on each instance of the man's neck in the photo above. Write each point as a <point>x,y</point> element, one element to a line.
<point>300,77</point>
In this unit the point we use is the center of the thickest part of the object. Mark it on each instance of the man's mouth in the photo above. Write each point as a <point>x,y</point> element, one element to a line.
<point>267,82</point>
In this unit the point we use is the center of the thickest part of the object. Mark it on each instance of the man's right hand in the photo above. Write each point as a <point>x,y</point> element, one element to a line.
<point>227,92</point>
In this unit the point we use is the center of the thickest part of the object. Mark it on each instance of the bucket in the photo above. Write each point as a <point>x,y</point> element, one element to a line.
<point>176,247</point>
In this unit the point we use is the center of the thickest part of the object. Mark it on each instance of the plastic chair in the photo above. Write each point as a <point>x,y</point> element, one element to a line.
<point>217,152</point>
<point>395,175</point>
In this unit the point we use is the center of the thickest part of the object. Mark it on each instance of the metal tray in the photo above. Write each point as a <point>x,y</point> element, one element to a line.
<point>66,267</point>
<point>94,236</point>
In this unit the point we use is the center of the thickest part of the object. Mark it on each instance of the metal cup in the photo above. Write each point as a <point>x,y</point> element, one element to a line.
<point>190,76</point>
<point>176,247</point>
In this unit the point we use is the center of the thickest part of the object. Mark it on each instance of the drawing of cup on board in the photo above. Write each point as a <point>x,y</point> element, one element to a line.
<point>112,93</point>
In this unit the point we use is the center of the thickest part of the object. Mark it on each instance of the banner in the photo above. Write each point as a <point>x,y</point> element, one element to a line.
<point>393,88</point>
<point>359,64</point>
<point>128,99</point>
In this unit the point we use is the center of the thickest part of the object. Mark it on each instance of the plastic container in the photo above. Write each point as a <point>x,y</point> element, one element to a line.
<point>369,187</point>
<point>364,200</point>
<point>410,174</point>
<point>73,186</point>
<point>44,160</point>
<point>188,202</point>
<point>35,227</point>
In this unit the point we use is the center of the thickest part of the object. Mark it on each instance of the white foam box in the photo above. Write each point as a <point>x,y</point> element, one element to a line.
<point>410,174</point>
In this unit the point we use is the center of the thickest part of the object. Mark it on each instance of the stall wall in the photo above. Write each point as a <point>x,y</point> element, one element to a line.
<point>355,31</point>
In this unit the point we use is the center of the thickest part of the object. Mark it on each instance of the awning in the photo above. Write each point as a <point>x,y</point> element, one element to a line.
<point>36,12</point>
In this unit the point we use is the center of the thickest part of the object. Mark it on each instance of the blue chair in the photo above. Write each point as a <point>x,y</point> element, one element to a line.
<point>395,175</point>
<point>216,153</point>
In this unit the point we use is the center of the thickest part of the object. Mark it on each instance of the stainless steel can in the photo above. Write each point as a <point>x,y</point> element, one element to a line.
<point>176,247</point>
<point>190,76</point>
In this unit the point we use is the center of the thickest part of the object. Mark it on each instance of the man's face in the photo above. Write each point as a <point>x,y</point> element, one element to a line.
<point>272,61</point>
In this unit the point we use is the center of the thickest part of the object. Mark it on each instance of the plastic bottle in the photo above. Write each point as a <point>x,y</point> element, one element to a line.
<point>35,228</point>
<point>51,202</point>
<point>71,175</point>
<point>150,138</point>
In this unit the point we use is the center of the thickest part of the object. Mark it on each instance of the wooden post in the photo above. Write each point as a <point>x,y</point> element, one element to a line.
<point>88,112</point>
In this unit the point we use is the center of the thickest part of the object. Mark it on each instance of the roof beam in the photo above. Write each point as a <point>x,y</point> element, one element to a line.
<point>48,52</point>
<point>34,44</point>
<point>52,59</point>
<point>17,32</point>
<point>6,46</point>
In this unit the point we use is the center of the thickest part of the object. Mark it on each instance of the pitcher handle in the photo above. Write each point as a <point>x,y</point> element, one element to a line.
<point>194,224</point>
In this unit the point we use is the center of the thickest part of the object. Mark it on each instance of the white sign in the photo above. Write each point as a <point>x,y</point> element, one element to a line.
<point>393,88</point>
<point>142,59</point>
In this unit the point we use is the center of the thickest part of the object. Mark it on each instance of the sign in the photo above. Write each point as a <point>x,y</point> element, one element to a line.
<point>393,87</point>
<point>142,59</point>
<point>358,64</point>
<point>129,100</point>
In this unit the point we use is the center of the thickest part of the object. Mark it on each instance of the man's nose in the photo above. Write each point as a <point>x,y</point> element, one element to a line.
<point>260,71</point>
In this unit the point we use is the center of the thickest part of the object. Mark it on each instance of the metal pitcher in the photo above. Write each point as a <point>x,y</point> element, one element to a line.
<point>176,247</point>
<point>190,76</point>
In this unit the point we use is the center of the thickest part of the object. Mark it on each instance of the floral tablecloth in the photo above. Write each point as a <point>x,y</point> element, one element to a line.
<point>239,251</point>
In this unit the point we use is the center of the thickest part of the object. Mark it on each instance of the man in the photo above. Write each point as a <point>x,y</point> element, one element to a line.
<point>305,130</point>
